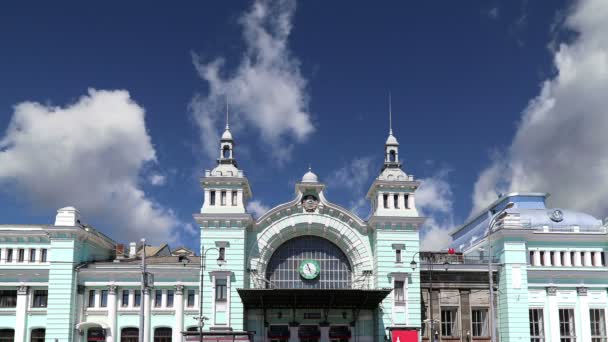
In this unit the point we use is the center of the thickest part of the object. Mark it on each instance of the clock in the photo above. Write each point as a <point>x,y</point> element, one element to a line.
<point>309,269</point>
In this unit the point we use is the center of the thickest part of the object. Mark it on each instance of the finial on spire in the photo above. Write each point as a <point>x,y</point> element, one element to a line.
<point>227,115</point>
<point>309,167</point>
<point>390,114</point>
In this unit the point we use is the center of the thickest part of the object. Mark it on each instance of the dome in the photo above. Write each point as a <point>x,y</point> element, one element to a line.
<point>391,140</point>
<point>227,135</point>
<point>310,177</point>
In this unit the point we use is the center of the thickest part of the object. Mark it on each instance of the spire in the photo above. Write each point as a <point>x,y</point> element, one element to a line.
<point>227,116</point>
<point>390,115</point>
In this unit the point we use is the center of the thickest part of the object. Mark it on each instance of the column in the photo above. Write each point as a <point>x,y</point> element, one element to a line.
<point>390,200</point>
<point>179,313</point>
<point>567,259</point>
<point>547,258</point>
<point>557,258</point>
<point>380,201</point>
<point>207,198</point>
<point>583,328</point>
<point>552,315</point>
<point>401,200</point>
<point>587,259</point>
<point>597,259</point>
<point>146,304</point>
<point>465,311</point>
<point>113,333</point>
<point>15,255</point>
<point>536,258</point>
<point>577,258</point>
<point>2,255</point>
<point>239,198</point>
<point>324,333</point>
<point>20,315</point>
<point>410,200</point>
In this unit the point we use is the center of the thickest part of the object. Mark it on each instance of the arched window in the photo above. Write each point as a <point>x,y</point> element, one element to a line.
<point>392,157</point>
<point>7,335</point>
<point>226,152</point>
<point>162,335</point>
<point>129,335</point>
<point>284,266</point>
<point>37,335</point>
<point>96,334</point>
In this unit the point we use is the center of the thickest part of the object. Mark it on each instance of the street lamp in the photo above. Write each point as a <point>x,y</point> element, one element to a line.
<point>221,261</point>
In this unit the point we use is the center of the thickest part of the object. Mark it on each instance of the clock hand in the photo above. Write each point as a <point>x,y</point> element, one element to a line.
<point>308,266</point>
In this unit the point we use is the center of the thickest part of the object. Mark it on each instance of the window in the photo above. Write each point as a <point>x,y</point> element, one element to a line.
<point>37,335</point>
<point>234,198</point>
<point>396,201</point>
<point>32,255</point>
<point>399,294</point>
<point>537,328</point>
<point>7,335</point>
<point>226,151</point>
<point>104,299</point>
<point>190,300</point>
<point>449,319</point>
<point>40,298</point>
<point>397,255</point>
<point>129,335</point>
<point>137,298</point>
<point>169,298</point>
<point>125,298</point>
<point>8,298</point>
<point>162,335</point>
<point>406,201</point>
<point>220,290</point>
<point>385,200</point>
<point>222,253</point>
<point>9,255</point>
<point>223,197</point>
<point>391,156</point>
<point>158,298</point>
<point>96,334</point>
<point>480,322</point>
<point>542,258</point>
<point>598,325</point>
<point>21,255</point>
<point>91,302</point>
<point>212,198</point>
<point>43,255</point>
<point>566,325</point>
<point>562,257</point>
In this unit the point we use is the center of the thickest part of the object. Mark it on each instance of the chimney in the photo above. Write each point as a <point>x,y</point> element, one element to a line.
<point>132,250</point>
<point>68,216</point>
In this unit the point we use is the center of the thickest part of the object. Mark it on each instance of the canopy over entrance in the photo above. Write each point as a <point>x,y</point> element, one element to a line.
<point>312,298</point>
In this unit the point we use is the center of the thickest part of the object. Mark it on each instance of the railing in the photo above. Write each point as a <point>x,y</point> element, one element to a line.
<point>516,223</point>
<point>442,258</point>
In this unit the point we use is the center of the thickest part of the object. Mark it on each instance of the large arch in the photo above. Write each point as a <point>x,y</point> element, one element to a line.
<point>351,242</point>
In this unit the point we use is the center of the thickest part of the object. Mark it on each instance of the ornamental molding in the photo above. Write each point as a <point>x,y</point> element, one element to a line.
<point>22,290</point>
<point>551,291</point>
<point>581,291</point>
<point>112,289</point>
<point>179,290</point>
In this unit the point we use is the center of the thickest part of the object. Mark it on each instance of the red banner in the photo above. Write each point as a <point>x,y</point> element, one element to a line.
<point>405,335</point>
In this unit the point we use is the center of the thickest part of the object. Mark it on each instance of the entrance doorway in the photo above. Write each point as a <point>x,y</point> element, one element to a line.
<point>339,333</point>
<point>278,333</point>
<point>309,333</point>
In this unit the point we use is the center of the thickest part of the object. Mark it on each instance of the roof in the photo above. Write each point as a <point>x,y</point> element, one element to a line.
<point>313,298</point>
<point>151,251</point>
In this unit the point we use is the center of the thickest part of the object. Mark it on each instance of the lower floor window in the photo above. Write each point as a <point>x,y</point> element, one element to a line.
<point>37,335</point>
<point>566,325</point>
<point>40,298</point>
<point>7,335</point>
<point>449,322</point>
<point>597,319</point>
<point>537,329</point>
<point>162,335</point>
<point>129,335</point>
<point>480,322</point>
<point>96,334</point>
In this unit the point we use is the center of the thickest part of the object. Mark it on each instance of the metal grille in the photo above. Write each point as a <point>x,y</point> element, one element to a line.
<point>284,266</point>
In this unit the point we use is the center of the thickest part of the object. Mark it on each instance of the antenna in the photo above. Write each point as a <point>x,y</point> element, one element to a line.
<point>390,114</point>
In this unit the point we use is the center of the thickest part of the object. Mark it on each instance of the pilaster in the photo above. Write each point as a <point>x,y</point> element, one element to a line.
<point>179,313</point>
<point>20,319</point>
<point>112,335</point>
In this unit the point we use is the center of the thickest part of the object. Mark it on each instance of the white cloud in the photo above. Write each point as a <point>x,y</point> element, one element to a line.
<point>494,13</point>
<point>157,179</point>
<point>354,176</point>
<point>266,92</point>
<point>560,144</point>
<point>256,208</point>
<point>434,201</point>
<point>88,154</point>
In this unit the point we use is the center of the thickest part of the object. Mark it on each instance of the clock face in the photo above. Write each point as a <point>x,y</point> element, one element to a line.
<point>309,269</point>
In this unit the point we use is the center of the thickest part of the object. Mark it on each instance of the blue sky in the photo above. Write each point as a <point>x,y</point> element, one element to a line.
<point>309,83</point>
